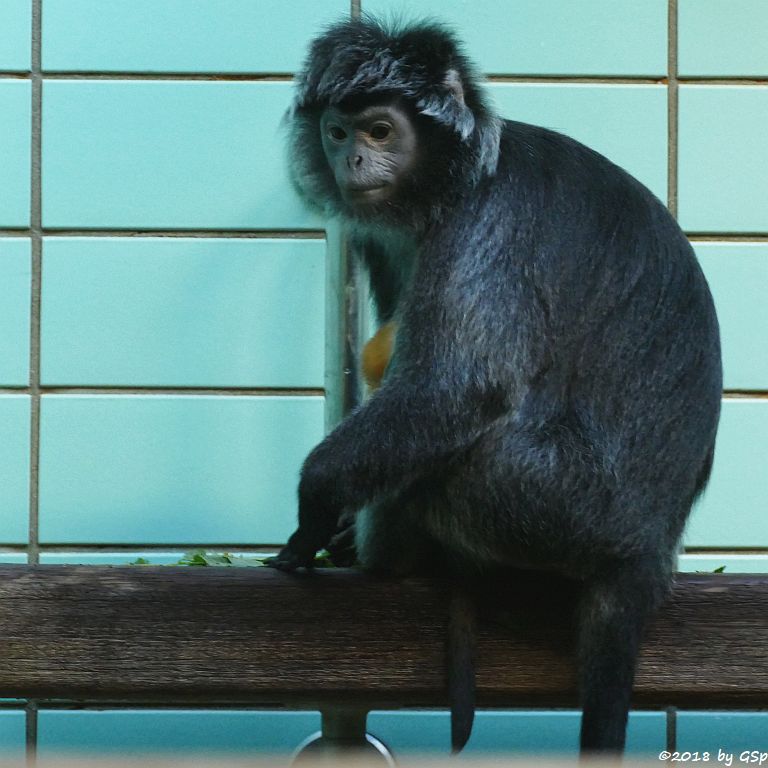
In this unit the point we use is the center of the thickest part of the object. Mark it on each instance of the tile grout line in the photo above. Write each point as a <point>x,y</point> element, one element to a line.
<point>279,234</point>
<point>672,109</point>
<point>31,728</point>
<point>671,730</point>
<point>36,242</point>
<point>492,77</point>
<point>36,246</point>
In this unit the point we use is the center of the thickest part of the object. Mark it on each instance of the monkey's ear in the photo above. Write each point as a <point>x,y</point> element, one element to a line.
<point>447,105</point>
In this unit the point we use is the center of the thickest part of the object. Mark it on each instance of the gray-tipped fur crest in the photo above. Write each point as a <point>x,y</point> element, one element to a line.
<point>422,63</point>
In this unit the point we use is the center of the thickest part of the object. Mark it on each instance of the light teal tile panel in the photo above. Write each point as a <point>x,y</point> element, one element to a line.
<point>15,275</point>
<point>732,563</point>
<point>626,123</point>
<point>109,558</point>
<point>183,312</point>
<point>732,732</point>
<point>191,732</point>
<point>14,468</point>
<point>508,732</point>
<point>15,34</point>
<point>551,37</point>
<point>154,557</point>
<point>12,734</point>
<point>167,154</point>
<point>162,469</point>
<point>722,37</point>
<point>179,36</point>
<point>723,158</point>
<point>738,276</point>
<point>732,510</point>
<point>15,132</point>
<point>16,558</point>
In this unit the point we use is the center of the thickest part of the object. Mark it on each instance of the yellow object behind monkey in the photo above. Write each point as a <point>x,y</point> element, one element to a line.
<point>376,354</point>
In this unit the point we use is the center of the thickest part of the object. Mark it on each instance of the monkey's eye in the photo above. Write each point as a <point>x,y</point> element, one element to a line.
<point>337,133</point>
<point>380,131</point>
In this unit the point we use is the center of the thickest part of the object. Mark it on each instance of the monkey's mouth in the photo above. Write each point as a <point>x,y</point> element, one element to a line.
<point>363,192</point>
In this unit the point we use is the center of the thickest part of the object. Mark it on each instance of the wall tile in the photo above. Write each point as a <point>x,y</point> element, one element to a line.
<point>124,557</point>
<point>723,158</point>
<point>552,37</point>
<point>722,38</point>
<point>738,276</point>
<point>135,732</point>
<point>167,154</point>
<point>626,123</point>
<point>160,469</point>
<point>109,558</point>
<point>15,120</point>
<point>14,468</point>
<point>179,36</point>
<point>732,563</point>
<point>15,272</point>
<point>12,734</point>
<point>15,35</point>
<point>508,732</point>
<point>183,312</point>
<point>732,732</point>
<point>13,557</point>
<point>731,512</point>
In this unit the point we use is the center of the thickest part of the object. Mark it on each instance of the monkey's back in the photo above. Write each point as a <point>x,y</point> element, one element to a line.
<point>608,327</point>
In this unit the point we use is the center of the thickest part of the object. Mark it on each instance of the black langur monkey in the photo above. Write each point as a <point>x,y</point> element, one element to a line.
<point>554,389</point>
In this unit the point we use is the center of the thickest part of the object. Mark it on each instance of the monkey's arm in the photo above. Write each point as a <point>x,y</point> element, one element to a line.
<point>403,430</point>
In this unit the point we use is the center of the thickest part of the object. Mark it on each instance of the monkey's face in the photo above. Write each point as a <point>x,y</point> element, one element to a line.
<point>371,150</point>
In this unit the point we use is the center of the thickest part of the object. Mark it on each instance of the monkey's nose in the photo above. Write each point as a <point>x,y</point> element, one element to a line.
<point>354,160</point>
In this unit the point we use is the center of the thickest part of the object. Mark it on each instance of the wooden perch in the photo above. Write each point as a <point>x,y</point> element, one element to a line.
<point>257,636</point>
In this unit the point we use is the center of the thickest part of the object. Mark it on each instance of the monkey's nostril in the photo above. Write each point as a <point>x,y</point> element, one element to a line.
<point>358,160</point>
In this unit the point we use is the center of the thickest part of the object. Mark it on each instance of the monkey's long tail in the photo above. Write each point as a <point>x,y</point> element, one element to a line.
<point>462,639</point>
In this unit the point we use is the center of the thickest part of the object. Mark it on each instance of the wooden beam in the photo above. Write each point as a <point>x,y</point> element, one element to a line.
<point>256,636</point>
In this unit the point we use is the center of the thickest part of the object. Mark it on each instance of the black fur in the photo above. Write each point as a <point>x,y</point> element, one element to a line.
<point>554,393</point>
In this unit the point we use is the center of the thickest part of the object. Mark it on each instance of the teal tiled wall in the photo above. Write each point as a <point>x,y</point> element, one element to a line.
<point>130,732</point>
<point>15,276</point>
<point>737,272</point>
<point>729,732</point>
<point>12,734</point>
<point>15,34</point>
<point>167,305</point>
<point>14,468</point>
<point>723,38</point>
<point>552,37</point>
<point>627,123</point>
<point>731,513</point>
<point>510,733</point>
<point>194,155</point>
<point>172,468</point>
<point>723,161</point>
<point>15,143</point>
<point>181,36</point>
<point>201,312</point>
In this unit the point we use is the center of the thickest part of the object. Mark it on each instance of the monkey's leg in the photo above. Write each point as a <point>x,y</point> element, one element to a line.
<point>614,610</point>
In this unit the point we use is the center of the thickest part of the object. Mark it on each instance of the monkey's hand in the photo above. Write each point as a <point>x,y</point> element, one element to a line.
<point>297,553</point>
<point>319,513</point>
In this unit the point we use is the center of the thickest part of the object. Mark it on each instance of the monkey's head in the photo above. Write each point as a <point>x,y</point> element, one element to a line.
<point>389,124</point>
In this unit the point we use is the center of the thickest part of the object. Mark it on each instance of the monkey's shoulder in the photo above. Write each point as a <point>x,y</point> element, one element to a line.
<point>544,157</point>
